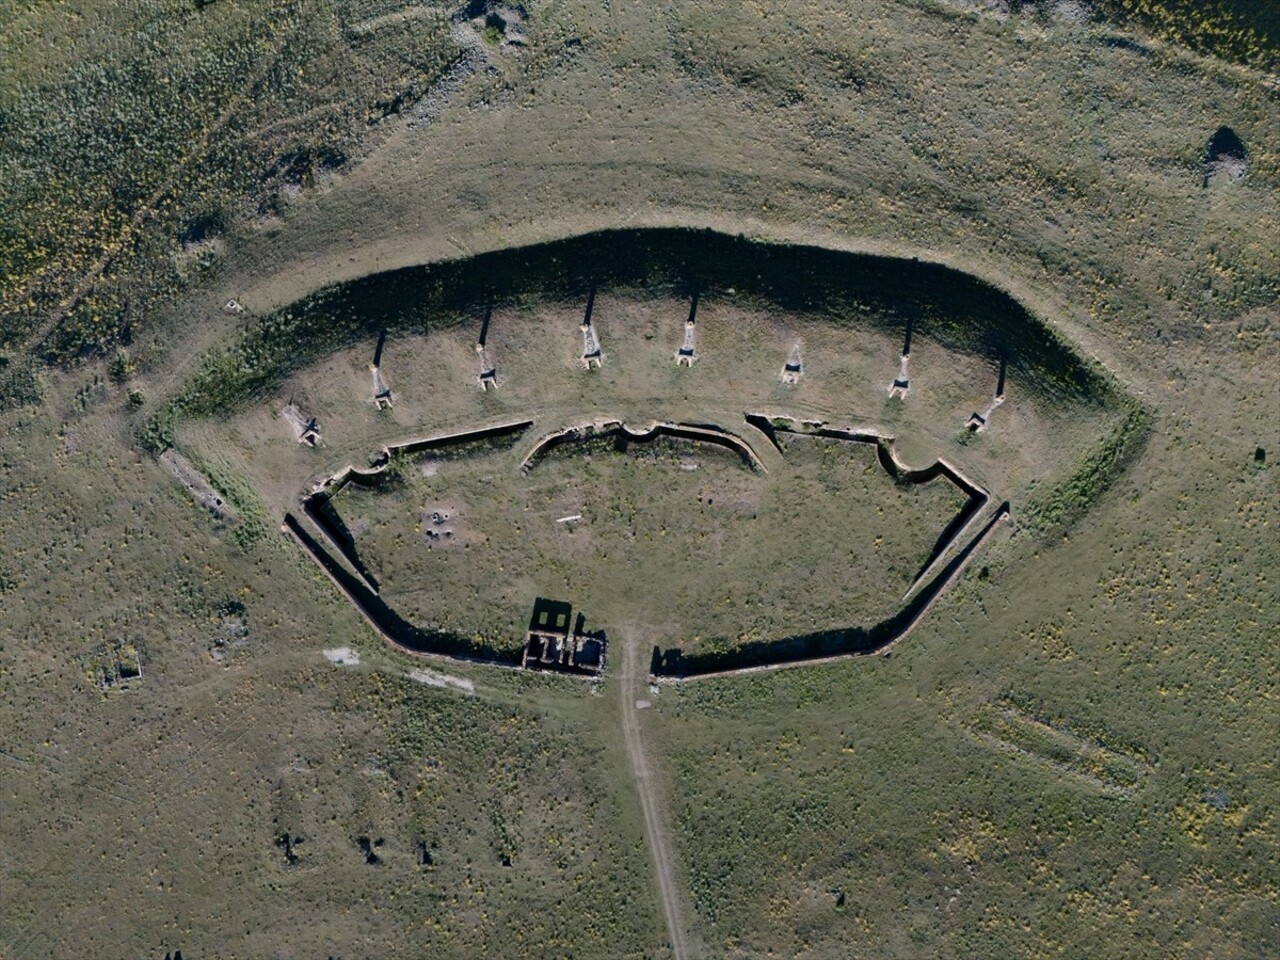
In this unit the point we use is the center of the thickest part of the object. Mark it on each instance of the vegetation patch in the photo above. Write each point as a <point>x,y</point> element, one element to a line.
<point>1243,31</point>
<point>164,122</point>
<point>1070,498</point>
<point>19,382</point>
<point>1003,724</point>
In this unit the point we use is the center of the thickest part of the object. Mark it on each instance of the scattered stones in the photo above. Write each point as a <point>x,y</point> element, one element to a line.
<point>442,680</point>
<point>232,631</point>
<point>342,656</point>
<point>114,664</point>
<point>200,489</point>
<point>440,525</point>
<point>1217,798</point>
<point>1225,157</point>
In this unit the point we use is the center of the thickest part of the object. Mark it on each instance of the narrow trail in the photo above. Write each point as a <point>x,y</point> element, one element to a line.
<point>631,687</point>
<point>153,202</point>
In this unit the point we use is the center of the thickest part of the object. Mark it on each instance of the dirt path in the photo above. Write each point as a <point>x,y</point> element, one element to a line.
<point>632,688</point>
<point>152,203</point>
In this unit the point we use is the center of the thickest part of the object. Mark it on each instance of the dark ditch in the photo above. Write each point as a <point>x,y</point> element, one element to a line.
<point>360,589</point>
<point>322,513</point>
<point>390,624</point>
<point>457,445</point>
<point>960,311</point>
<point>824,644</point>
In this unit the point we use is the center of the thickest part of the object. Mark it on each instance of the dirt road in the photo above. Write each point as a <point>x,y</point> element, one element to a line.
<point>632,688</point>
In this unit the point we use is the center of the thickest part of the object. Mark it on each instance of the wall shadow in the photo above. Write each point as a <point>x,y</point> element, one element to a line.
<point>390,624</point>
<point>959,310</point>
<point>824,644</point>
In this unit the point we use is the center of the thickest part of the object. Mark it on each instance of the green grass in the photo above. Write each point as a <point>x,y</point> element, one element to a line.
<point>1244,31</point>
<point>1069,499</point>
<point>19,382</point>
<point>839,811</point>
<point>169,121</point>
<point>677,535</point>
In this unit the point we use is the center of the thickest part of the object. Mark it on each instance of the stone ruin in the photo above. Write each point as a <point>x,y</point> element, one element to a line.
<point>902,383</point>
<point>686,355</point>
<point>687,352</point>
<point>488,373</point>
<point>793,369</point>
<point>554,641</point>
<point>1225,157</point>
<point>306,429</point>
<point>381,392</point>
<point>591,353</point>
<point>978,421</point>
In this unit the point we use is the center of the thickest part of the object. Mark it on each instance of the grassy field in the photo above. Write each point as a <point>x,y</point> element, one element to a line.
<point>673,535</point>
<point>130,150</point>
<point>821,538</point>
<point>1073,754</point>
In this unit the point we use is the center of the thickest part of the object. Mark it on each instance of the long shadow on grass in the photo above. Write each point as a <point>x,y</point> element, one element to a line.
<point>841,642</point>
<point>390,624</point>
<point>958,310</point>
<point>320,509</point>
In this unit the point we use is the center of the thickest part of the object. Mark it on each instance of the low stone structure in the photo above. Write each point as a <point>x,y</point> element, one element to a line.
<point>978,421</point>
<point>381,392</point>
<point>306,429</point>
<point>901,383</point>
<point>686,354</point>
<point>592,356</point>
<point>793,369</point>
<point>555,642</point>
<point>591,352</point>
<point>488,374</point>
